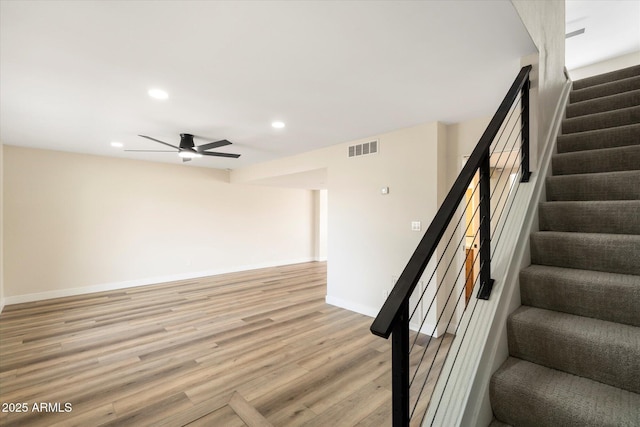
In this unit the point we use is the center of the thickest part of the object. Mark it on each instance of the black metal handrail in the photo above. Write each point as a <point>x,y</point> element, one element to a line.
<point>393,318</point>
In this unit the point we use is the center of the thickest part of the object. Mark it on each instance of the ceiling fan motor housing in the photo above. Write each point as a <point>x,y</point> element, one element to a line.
<point>186,140</point>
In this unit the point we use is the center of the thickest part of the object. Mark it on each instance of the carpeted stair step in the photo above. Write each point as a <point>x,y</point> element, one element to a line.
<point>601,295</point>
<point>496,423</point>
<point>611,217</point>
<point>606,103</point>
<point>605,89</point>
<point>524,394</point>
<point>601,138</point>
<point>623,185</point>
<point>594,161</point>
<point>607,77</point>
<point>608,119</point>
<point>591,348</point>
<point>614,253</point>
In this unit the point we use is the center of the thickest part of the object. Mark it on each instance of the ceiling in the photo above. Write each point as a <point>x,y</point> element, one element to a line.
<point>74,75</point>
<point>611,29</point>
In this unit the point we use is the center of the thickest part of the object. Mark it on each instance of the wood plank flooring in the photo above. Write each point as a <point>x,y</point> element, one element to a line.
<point>189,352</point>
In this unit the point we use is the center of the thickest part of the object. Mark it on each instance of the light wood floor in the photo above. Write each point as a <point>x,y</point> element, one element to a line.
<point>176,354</point>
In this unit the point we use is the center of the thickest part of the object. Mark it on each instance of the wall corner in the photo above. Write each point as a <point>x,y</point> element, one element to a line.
<point>1,227</point>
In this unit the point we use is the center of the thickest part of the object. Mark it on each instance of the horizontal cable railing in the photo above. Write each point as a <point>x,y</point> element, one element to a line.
<point>424,310</point>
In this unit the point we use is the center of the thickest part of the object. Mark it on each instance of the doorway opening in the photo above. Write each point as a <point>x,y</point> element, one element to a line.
<point>504,172</point>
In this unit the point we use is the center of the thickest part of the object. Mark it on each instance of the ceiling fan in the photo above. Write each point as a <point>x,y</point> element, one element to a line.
<point>188,150</point>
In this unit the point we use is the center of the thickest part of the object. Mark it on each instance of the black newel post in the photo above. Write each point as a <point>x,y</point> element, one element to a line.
<point>400,374</point>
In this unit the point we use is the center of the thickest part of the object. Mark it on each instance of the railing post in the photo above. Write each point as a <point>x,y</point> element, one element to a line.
<point>524,118</point>
<point>400,371</point>
<point>486,283</point>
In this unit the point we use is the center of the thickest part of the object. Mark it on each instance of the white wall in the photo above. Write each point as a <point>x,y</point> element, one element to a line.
<point>545,23</point>
<point>369,234</point>
<point>370,237</point>
<point>323,206</point>
<point>1,227</point>
<point>320,225</point>
<point>75,223</point>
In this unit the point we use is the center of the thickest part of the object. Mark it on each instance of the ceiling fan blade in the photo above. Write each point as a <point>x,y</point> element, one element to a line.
<point>205,153</point>
<point>209,146</point>
<point>157,140</point>
<point>186,159</point>
<point>154,151</point>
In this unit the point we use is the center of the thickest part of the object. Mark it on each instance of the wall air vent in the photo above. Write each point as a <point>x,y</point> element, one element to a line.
<point>370,147</point>
<point>574,33</point>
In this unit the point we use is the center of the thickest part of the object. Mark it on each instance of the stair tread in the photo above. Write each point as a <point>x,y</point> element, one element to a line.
<point>591,237</point>
<point>599,138</point>
<point>606,119</point>
<point>615,253</point>
<point>595,161</point>
<point>526,394</point>
<point>617,185</point>
<point>590,216</point>
<point>603,295</point>
<point>597,349</point>
<point>611,76</point>
<point>605,89</point>
<point>603,104</point>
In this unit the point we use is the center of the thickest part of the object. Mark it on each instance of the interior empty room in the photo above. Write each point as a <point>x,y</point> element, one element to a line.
<point>310,213</point>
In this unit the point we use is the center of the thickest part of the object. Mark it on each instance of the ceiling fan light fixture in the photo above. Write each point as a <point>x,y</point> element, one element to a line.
<point>188,154</point>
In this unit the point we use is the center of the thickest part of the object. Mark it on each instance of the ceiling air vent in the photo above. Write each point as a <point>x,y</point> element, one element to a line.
<point>370,147</point>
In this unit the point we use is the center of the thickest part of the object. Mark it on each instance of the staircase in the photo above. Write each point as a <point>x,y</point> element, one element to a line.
<point>574,344</point>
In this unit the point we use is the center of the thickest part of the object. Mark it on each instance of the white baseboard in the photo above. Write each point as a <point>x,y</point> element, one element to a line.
<point>1,304</point>
<point>60,293</point>
<point>372,312</point>
<point>352,306</point>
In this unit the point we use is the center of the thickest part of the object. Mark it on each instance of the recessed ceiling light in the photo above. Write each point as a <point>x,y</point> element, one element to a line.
<point>117,144</point>
<point>277,125</point>
<point>158,94</point>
